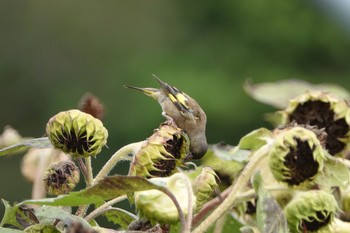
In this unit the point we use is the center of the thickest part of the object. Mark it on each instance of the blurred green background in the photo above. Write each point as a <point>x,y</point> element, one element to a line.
<point>52,52</point>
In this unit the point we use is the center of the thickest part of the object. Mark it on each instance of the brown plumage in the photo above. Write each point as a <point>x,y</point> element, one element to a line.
<point>179,107</point>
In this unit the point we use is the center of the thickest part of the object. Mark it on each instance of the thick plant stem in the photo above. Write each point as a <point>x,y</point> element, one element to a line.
<point>212,204</point>
<point>122,154</point>
<point>83,168</point>
<point>89,175</point>
<point>88,180</point>
<point>240,183</point>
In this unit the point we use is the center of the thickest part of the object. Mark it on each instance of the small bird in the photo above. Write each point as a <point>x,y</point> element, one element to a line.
<point>180,108</point>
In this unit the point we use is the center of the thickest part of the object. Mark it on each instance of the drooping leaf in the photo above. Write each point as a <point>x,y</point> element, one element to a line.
<point>270,217</point>
<point>36,142</point>
<point>334,173</point>
<point>278,94</point>
<point>230,153</point>
<point>10,215</point>
<point>48,214</point>
<point>106,189</point>
<point>255,139</point>
<point>120,217</point>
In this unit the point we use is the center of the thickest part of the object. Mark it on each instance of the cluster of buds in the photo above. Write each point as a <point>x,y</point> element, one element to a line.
<point>77,133</point>
<point>324,111</point>
<point>161,153</point>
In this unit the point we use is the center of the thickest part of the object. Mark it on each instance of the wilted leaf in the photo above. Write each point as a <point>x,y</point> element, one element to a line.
<point>120,217</point>
<point>270,217</point>
<point>106,189</point>
<point>278,94</point>
<point>255,139</point>
<point>230,153</point>
<point>48,214</point>
<point>334,173</point>
<point>10,215</point>
<point>36,142</point>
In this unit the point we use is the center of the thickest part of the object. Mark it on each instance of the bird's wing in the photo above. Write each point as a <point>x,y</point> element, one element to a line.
<point>178,98</point>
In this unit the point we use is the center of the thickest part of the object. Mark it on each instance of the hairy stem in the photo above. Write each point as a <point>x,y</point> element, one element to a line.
<point>83,168</point>
<point>178,207</point>
<point>100,210</point>
<point>187,228</point>
<point>236,188</point>
<point>89,175</point>
<point>122,154</point>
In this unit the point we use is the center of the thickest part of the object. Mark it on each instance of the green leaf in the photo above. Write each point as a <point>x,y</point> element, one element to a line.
<point>106,189</point>
<point>36,142</point>
<point>334,173</point>
<point>8,230</point>
<point>48,214</point>
<point>120,217</point>
<point>278,94</point>
<point>255,139</point>
<point>10,215</point>
<point>270,217</point>
<point>230,153</point>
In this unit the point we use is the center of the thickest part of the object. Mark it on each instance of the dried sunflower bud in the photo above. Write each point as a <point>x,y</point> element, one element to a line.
<point>61,178</point>
<point>41,228</point>
<point>310,211</point>
<point>157,206</point>
<point>324,111</point>
<point>204,186</point>
<point>296,156</point>
<point>77,133</point>
<point>161,153</point>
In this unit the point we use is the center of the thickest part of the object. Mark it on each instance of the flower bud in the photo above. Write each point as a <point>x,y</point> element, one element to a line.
<point>324,111</point>
<point>61,178</point>
<point>204,186</point>
<point>296,156</point>
<point>157,206</point>
<point>161,153</point>
<point>310,211</point>
<point>77,133</point>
